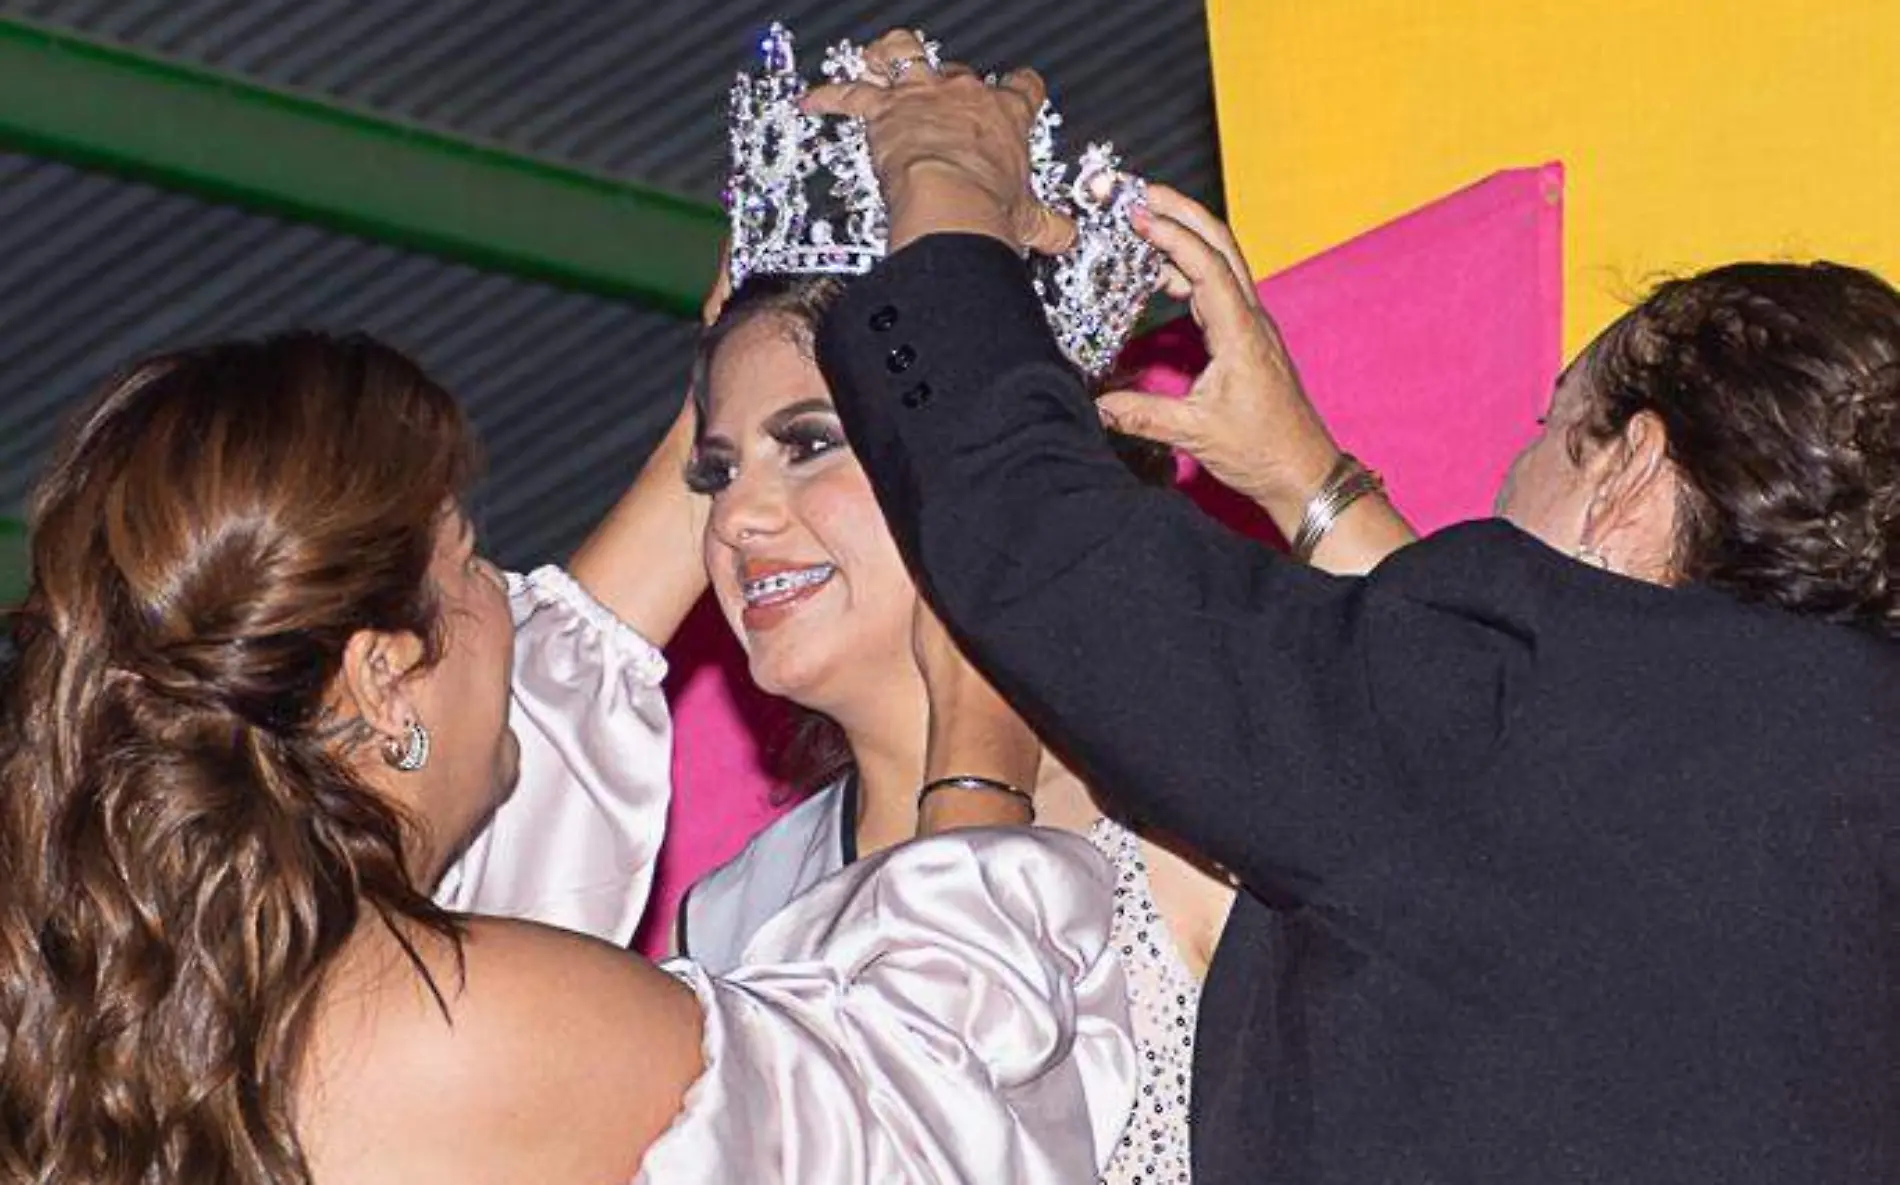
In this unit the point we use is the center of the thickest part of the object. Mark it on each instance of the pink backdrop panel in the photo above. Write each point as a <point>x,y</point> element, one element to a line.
<point>1430,344</point>
<point>722,790</point>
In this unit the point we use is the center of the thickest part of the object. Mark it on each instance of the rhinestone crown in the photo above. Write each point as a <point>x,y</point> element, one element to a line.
<point>804,201</point>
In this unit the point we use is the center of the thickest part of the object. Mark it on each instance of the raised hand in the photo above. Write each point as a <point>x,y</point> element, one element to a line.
<point>951,151</point>
<point>1247,419</point>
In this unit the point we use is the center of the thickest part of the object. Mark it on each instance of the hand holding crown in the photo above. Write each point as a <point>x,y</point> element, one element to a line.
<point>950,150</point>
<point>901,145</point>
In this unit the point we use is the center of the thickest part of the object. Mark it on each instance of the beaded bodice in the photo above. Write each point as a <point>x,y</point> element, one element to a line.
<point>1164,999</point>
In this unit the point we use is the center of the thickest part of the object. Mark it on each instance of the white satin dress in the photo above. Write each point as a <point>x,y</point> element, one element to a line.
<point>947,1011</point>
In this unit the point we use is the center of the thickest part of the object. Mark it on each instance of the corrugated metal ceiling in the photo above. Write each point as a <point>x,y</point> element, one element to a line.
<point>568,390</point>
<point>635,88</point>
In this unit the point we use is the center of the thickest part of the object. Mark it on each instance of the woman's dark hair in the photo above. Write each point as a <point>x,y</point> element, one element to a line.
<point>813,751</point>
<point>1778,388</point>
<point>184,846</point>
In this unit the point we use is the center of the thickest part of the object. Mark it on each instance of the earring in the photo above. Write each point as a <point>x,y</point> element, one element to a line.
<point>1591,556</point>
<point>413,754</point>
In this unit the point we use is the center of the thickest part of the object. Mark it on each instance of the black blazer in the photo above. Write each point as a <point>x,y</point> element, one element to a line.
<point>1549,875</point>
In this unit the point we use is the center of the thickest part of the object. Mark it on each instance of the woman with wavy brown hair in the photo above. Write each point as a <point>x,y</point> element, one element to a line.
<point>261,701</point>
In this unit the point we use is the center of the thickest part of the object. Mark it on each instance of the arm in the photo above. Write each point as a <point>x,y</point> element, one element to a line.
<point>1247,419</point>
<point>1265,713</point>
<point>643,562</point>
<point>947,1010</point>
<point>576,842</point>
<point>1260,710</point>
<point>973,733</point>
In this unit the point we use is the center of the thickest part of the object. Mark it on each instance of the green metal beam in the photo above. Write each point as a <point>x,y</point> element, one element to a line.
<point>102,107</point>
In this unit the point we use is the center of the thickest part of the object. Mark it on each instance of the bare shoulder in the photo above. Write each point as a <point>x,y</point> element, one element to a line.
<point>548,1056</point>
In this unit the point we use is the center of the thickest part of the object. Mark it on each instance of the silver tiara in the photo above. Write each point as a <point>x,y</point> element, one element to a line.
<point>804,201</point>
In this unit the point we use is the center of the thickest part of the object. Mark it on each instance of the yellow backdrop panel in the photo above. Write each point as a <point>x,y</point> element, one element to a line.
<point>1691,132</point>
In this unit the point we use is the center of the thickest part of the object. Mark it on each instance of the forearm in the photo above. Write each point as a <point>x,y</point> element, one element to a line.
<point>1194,676</point>
<point>1217,694</point>
<point>1304,454</point>
<point>1368,531</point>
<point>644,559</point>
<point>974,733</point>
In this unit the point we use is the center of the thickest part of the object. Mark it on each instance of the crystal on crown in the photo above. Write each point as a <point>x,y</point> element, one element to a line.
<point>1093,293</point>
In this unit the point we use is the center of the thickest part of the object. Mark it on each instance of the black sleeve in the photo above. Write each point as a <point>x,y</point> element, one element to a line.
<point>1266,713</point>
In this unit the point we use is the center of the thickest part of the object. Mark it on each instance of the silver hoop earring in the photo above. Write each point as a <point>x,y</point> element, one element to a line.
<point>414,753</point>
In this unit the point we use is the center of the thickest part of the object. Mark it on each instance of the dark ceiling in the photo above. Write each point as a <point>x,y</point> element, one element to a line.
<point>567,389</point>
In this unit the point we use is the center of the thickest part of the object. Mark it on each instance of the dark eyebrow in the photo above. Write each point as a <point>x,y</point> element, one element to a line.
<point>779,420</point>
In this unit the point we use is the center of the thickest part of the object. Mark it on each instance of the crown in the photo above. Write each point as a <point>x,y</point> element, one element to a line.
<point>804,201</point>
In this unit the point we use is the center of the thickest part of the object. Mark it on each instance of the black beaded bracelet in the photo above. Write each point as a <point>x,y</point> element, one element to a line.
<point>973,782</point>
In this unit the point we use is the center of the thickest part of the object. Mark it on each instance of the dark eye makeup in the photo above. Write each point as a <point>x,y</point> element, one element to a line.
<point>804,434</point>
<point>809,437</point>
<point>710,470</point>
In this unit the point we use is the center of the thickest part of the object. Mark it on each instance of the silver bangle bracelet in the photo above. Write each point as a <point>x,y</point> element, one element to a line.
<point>973,782</point>
<point>1348,482</point>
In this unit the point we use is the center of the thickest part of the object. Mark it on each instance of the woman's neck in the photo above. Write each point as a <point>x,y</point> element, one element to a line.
<point>424,857</point>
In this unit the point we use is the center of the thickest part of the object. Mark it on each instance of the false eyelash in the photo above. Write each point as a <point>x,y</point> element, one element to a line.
<point>810,440</point>
<point>708,474</point>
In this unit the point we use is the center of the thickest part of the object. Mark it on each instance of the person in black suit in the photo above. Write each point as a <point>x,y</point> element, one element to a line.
<point>1568,841</point>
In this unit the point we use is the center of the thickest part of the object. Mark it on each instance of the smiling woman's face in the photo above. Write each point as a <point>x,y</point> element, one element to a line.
<point>799,557</point>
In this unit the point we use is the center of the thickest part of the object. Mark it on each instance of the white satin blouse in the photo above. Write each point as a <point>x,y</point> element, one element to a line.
<point>948,1011</point>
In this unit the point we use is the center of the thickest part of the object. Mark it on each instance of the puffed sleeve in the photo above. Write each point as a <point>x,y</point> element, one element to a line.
<point>949,1010</point>
<point>575,844</point>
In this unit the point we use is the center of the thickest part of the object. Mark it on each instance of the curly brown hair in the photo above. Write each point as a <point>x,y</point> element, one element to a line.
<point>184,845</point>
<point>1778,388</point>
